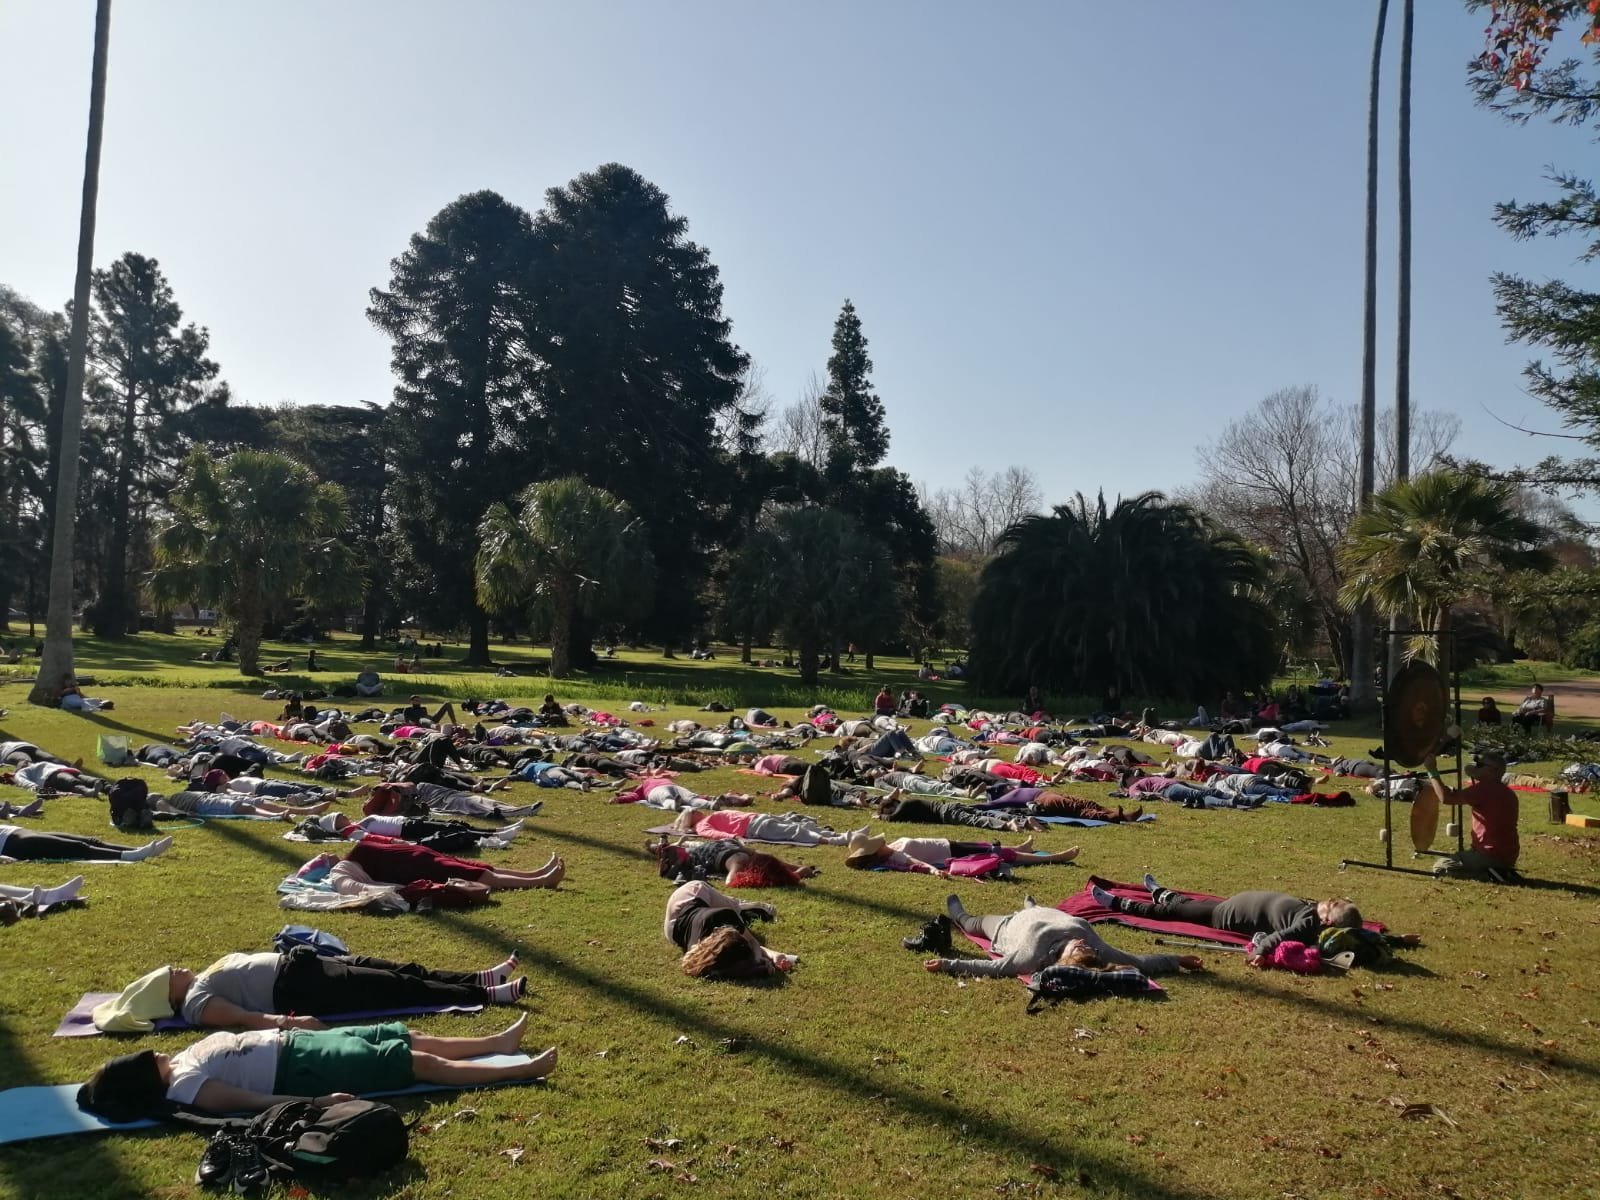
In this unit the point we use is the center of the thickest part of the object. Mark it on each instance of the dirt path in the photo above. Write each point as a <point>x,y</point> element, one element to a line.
<point>1574,698</point>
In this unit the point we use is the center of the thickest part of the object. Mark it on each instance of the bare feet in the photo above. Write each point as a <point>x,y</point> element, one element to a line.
<point>511,1036</point>
<point>1025,845</point>
<point>541,1064</point>
<point>807,871</point>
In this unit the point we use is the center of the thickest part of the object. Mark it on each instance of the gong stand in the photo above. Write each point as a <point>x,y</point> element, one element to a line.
<point>1385,698</point>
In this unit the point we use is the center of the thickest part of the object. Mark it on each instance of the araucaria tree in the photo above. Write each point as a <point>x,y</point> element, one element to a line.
<point>1147,596</point>
<point>636,370</point>
<point>249,534</point>
<point>852,415</point>
<point>454,310</point>
<point>153,369</point>
<point>573,553</point>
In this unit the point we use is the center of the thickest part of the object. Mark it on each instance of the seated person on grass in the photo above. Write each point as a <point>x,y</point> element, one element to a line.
<point>1495,844</point>
<point>278,991</point>
<point>250,1072</point>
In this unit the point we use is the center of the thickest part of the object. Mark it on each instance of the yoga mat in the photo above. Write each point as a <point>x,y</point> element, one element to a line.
<point>726,837</point>
<point>27,1113</point>
<point>1082,904</point>
<point>80,1021</point>
<point>983,943</point>
<point>1090,823</point>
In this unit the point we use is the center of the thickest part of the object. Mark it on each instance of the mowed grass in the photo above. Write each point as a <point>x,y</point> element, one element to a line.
<point>863,1075</point>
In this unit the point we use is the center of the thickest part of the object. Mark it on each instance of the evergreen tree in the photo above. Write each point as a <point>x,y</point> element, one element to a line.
<point>455,311</point>
<point>852,414</point>
<point>154,369</point>
<point>637,374</point>
<point>21,460</point>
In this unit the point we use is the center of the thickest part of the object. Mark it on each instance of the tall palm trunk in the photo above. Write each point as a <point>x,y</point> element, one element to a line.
<point>1402,337</point>
<point>1363,624</point>
<point>248,623</point>
<point>57,663</point>
<point>564,608</point>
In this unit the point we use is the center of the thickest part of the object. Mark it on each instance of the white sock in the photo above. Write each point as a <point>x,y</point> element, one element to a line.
<point>498,973</point>
<point>159,846</point>
<point>509,992</point>
<point>509,832</point>
<point>58,895</point>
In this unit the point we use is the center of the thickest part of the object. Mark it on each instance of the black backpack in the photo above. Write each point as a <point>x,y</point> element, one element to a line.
<point>298,1140</point>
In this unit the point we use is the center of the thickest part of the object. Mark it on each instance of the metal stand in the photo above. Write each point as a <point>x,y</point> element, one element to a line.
<point>1388,787</point>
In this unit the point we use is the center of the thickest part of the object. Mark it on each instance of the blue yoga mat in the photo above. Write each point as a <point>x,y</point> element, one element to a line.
<point>27,1113</point>
<point>1085,822</point>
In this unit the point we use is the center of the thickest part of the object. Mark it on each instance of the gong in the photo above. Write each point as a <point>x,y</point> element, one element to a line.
<point>1416,708</point>
<point>1424,819</point>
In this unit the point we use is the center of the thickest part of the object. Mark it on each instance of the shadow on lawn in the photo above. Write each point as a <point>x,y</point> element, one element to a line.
<point>1449,1039</point>
<point>942,1116</point>
<point>89,1169</point>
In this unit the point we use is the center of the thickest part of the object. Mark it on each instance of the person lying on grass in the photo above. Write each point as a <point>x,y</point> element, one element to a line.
<point>797,828</point>
<point>250,1072</point>
<point>940,856</point>
<point>713,931</point>
<point>897,807</point>
<point>215,798</point>
<point>1035,938</point>
<point>1037,802</point>
<point>1267,917</point>
<point>385,860</point>
<point>265,991</point>
<point>20,845</point>
<point>660,792</point>
<point>729,859</point>
<point>19,902</point>
<point>388,799</point>
<point>448,837</point>
<point>49,777</point>
<point>20,754</point>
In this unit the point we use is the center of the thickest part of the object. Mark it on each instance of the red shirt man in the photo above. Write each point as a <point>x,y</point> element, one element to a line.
<point>1495,844</point>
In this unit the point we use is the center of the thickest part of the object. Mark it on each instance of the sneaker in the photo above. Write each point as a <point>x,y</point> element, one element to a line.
<point>1150,884</point>
<point>934,937</point>
<point>216,1164</point>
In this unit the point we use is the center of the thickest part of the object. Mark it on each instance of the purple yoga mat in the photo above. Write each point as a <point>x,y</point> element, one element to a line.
<point>80,1021</point>
<point>1082,904</point>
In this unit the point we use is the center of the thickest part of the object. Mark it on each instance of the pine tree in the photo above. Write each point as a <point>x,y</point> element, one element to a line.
<point>154,368</point>
<point>455,310</point>
<point>853,416</point>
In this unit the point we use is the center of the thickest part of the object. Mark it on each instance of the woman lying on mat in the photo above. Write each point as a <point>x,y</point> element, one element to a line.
<point>1036,937</point>
<point>713,931</point>
<point>250,1072</point>
<point>1272,917</point>
<point>796,828</point>
<point>262,991</point>
<point>25,846</point>
<point>940,856</point>
<point>729,859</point>
<point>659,792</point>
<point>386,860</point>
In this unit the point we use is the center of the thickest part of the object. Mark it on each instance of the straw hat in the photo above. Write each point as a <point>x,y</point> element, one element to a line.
<point>864,845</point>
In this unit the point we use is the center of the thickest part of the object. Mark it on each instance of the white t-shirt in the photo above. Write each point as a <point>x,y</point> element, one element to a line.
<point>933,851</point>
<point>243,1060</point>
<point>388,826</point>
<point>5,832</point>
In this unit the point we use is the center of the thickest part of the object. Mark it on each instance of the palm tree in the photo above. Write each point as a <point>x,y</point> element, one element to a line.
<point>574,552</point>
<point>1146,596</point>
<point>1417,550</point>
<point>248,534</point>
<point>55,665</point>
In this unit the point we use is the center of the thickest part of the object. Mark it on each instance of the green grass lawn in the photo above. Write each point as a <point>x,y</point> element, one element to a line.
<point>863,1075</point>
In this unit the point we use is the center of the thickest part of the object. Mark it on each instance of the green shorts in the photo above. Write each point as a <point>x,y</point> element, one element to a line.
<point>361,1059</point>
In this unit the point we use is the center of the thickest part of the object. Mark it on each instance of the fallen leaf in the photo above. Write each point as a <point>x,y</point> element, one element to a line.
<point>466,1114</point>
<point>686,1177</point>
<point>1083,1034</point>
<point>514,1153</point>
<point>683,1039</point>
<point>602,1054</point>
<point>1415,1112</point>
<point>661,1164</point>
<point>663,1143</point>
<point>1044,1169</point>
<point>1137,1139</point>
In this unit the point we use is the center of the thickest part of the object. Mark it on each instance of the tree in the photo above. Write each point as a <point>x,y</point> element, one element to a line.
<point>800,429</point>
<point>154,369</point>
<point>55,664</point>
<point>1148,597</point>
<point>968,520</point>
<point>455,312</point>
<point>250,533</point>
<point>572,551</point>
<point>1286,479</point>
<point>638,380</point>
<point>1424,543</point>
<point>852,415</point>
<point>21,420</point>
<point>809,574</point>
<point>1512,79</point>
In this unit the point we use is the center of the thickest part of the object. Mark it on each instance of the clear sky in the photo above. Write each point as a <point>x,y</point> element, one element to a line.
<point>1081,236</point>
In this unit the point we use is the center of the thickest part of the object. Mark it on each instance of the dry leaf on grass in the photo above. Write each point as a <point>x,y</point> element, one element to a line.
<point>465,1114</point>
<point>1044,1169</point>
<point>514,1153</point>
<point>663,1143</point>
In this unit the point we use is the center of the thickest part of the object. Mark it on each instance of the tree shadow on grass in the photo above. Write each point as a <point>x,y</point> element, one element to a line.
<point>1451,1038</point>
<point>90,1169</point>
<point>855,1086</point>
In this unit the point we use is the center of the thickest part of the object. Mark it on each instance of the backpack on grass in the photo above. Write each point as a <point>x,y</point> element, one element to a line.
<point>298,1140</point>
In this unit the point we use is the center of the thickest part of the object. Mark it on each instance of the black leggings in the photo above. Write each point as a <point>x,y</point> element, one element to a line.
<point>447,837</point>
<point>69,846</point>
<point>318,985</point>
<point>1176,908</point>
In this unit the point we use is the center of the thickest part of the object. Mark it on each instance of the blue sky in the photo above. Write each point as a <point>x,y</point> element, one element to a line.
<point>1081,237</point>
